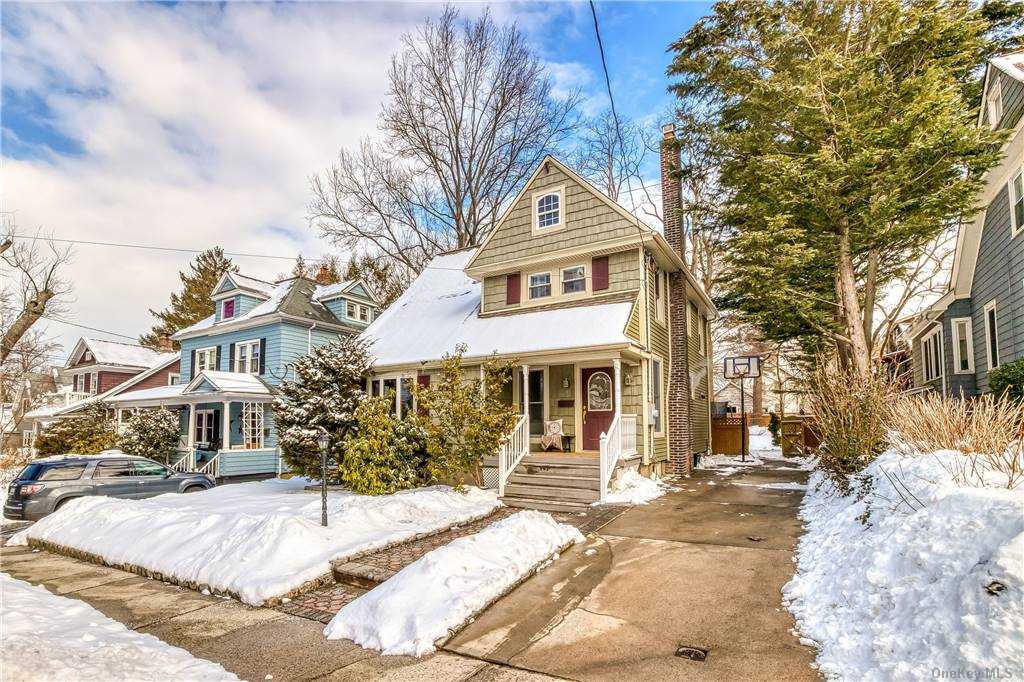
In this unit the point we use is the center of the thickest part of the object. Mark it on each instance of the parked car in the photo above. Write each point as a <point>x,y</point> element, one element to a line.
<point>46,484</point>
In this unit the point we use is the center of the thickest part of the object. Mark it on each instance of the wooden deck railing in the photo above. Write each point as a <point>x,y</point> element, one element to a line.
<point>512,451</point>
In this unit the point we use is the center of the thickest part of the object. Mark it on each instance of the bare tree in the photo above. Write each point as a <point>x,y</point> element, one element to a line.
<point>23,371</point>
<point>470,112</point>
<point>610,156</point>
<point>32,283</point>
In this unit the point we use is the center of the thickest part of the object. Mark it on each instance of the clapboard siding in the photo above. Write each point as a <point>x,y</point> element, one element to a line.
<point>271,332</point>
<point>1013,100</point>
<point>998,276</point>
<point>588,219</point>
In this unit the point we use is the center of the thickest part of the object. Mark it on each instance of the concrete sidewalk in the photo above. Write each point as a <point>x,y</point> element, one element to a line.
<point>700,567</point>
<point>253,643</point>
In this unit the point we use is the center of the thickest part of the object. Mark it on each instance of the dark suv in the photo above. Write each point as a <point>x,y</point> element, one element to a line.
<point>45,484</point>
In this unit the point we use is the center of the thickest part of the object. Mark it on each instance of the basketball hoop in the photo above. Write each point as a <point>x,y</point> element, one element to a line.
<point>742,367</point>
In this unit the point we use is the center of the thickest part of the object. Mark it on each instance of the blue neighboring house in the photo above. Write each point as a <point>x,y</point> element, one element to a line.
<point>978,324</point>
<point>233,361</point>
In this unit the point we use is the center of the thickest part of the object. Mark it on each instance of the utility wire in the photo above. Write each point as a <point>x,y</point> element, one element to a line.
<point>155,248</point>
<point>94,329</point>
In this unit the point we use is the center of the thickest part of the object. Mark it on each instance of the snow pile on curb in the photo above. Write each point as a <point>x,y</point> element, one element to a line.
<point>930,587</point>
<point>256,540</point>
<point>443,589</point>
<point>49,637</point>
<point>632,488</point>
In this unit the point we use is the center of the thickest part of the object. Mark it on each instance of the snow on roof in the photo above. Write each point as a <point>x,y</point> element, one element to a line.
<point>328,290</point>
<point>126,354</point>
<point>156,393</point>
<point>264,308</point>
<point>439,311</point>
<point>1011,64</point>
<point>246,282</point>
<point>233,382</point>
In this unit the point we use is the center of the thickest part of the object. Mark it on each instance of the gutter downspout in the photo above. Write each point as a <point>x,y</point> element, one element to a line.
<point>309,339</point>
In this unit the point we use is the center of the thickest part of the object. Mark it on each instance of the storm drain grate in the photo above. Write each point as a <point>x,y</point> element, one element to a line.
<point>694,653</point>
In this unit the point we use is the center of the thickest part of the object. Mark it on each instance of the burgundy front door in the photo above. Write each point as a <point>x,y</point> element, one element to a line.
<point>598,404</point>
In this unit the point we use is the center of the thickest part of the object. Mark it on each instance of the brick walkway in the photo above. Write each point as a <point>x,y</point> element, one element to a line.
<point>363,574</point>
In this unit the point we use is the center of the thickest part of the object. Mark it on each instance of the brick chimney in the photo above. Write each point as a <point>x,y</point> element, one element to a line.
<point>680,451</point>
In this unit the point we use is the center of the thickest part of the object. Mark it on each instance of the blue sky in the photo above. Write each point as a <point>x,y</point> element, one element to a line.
<point>190,125</point>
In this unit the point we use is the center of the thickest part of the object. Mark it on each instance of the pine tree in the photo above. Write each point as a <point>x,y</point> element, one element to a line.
<point>847,141</point>
<point>325,394</point>
<point>193,303</point>
<point>381,275</point>
<point>151,433</point>
<point>85,434</point>
<point>300,268</point>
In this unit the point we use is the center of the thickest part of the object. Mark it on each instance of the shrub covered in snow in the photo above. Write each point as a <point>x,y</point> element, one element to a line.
<point>465,420</point>
<point>1008,380</point>
<point>325,393</point>
<point>383,454</point>
<point>931,586</point>
<point>85,434</point>
<point>151,433</point>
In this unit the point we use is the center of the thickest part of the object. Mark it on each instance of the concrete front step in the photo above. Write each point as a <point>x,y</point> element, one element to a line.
<point>576,470</point>
<point>545,504</point>
<point>551,493</point>
<point>556,480</point>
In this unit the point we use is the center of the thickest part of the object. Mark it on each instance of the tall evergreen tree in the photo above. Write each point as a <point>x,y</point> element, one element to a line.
<point>384,278</point>
<point>847,139</point>
<point>193,303</point>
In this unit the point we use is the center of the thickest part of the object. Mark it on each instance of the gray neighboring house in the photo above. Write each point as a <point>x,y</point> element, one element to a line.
<point>978,324</point>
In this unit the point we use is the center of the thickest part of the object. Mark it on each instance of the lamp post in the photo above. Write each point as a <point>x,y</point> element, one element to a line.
<point>324,442</point>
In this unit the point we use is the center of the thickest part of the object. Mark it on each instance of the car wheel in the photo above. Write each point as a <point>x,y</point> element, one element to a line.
<point>63,502</point>
<point>194,489</point>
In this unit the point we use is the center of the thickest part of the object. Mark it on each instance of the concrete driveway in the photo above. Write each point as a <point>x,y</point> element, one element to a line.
<point>700,567</point>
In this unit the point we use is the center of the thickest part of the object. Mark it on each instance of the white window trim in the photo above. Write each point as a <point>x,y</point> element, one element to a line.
<point>993,362</point>
<point>661,295</point>
<point>926,356</point>
<point>550,285</point>
<point>364,313</point>
<point>208,351</point>
<point>173,379</point>
<point>1015,228</point>
<point>249,346</point>
<point>398,377</point>
<point>535,216</point>
<point>561,281</point>
<point>354,307</point>
<point>659,380</point>
<point>954,323</point>
<point>28,438</point>
<point>207,420</point>
<point>94,380</point>
<point>993,100</point>
<point>234,308</point>
<point>249,411</point>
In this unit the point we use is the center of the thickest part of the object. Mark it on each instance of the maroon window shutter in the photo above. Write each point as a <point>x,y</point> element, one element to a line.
<point>512,288</point>
<point>88,383</point>
<point>600,270</point>
<point>423,380</point>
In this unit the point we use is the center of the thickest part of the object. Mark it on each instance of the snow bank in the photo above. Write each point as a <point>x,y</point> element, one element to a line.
<point>933,588</point>
<point>632,488</point>
<point>446,587</point>
<point>760,438</point>
<point>255,540</point>
<point>48,637</point>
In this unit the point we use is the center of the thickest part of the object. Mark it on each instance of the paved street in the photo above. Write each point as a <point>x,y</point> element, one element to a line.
<point>700,567</point>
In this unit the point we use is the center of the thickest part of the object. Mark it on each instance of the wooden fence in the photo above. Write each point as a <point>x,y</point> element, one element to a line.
<point>725,433</point>
<point>798,436</point>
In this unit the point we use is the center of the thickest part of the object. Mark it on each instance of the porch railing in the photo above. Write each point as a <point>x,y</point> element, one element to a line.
<point>212,467</point>
<point>186,462</point>
<point>617,442</point>
<point>512,451</point>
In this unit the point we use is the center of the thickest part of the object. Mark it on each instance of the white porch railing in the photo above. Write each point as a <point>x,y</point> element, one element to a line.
<point>619,441</point>
<point>187,462</point>
<point>213,466</point>
<point>512,451</point>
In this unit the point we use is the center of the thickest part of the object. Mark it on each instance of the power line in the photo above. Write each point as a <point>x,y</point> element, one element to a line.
<point>156,248</point>
<point>94,329</point>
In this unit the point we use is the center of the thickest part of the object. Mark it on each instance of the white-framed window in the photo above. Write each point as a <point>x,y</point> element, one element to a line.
<point>206,359</point>
<point>660,295</point>
<point>364,313</point>
<point>540,285</point>
<point>351,310</point>
<point>574,279</point>
<point>548,209</point>
<point>931,355</point>
<point>227,310</point>
<point>94,382</point>
<point>204,427</point>
<point>173,379</point>
<point>693,315</point>
<point>1017,202</point>
<point>963,345</point>
<point>28,439</point>
<point>992,334</point>
<point>657,385</point>
<point>247,357</point>
<point>994,102</point>
<point>252,425</point>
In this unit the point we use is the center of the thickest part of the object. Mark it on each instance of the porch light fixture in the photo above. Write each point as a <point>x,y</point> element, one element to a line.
<point>565,382</point>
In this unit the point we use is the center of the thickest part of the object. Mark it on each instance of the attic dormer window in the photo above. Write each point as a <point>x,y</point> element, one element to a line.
<point>229,309</point>
<point>994,102</point>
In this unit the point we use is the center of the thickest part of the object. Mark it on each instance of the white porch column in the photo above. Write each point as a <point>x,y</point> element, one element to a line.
<point>225,420</point>
<point>191,440</point>
<point>526,392</point>
<point>617,368</point>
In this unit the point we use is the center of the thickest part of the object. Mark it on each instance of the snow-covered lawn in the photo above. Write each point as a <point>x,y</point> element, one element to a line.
<point>444,588</point>
<point>632,488</point>
<point>932,587</point>
<point>255,540</point>
<point>48,637</point>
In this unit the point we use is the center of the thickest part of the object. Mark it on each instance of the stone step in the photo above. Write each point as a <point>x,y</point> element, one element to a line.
<point>551,492</point>
<point>557,481</point>
<point>546,468</point>
<point>545,504</point>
